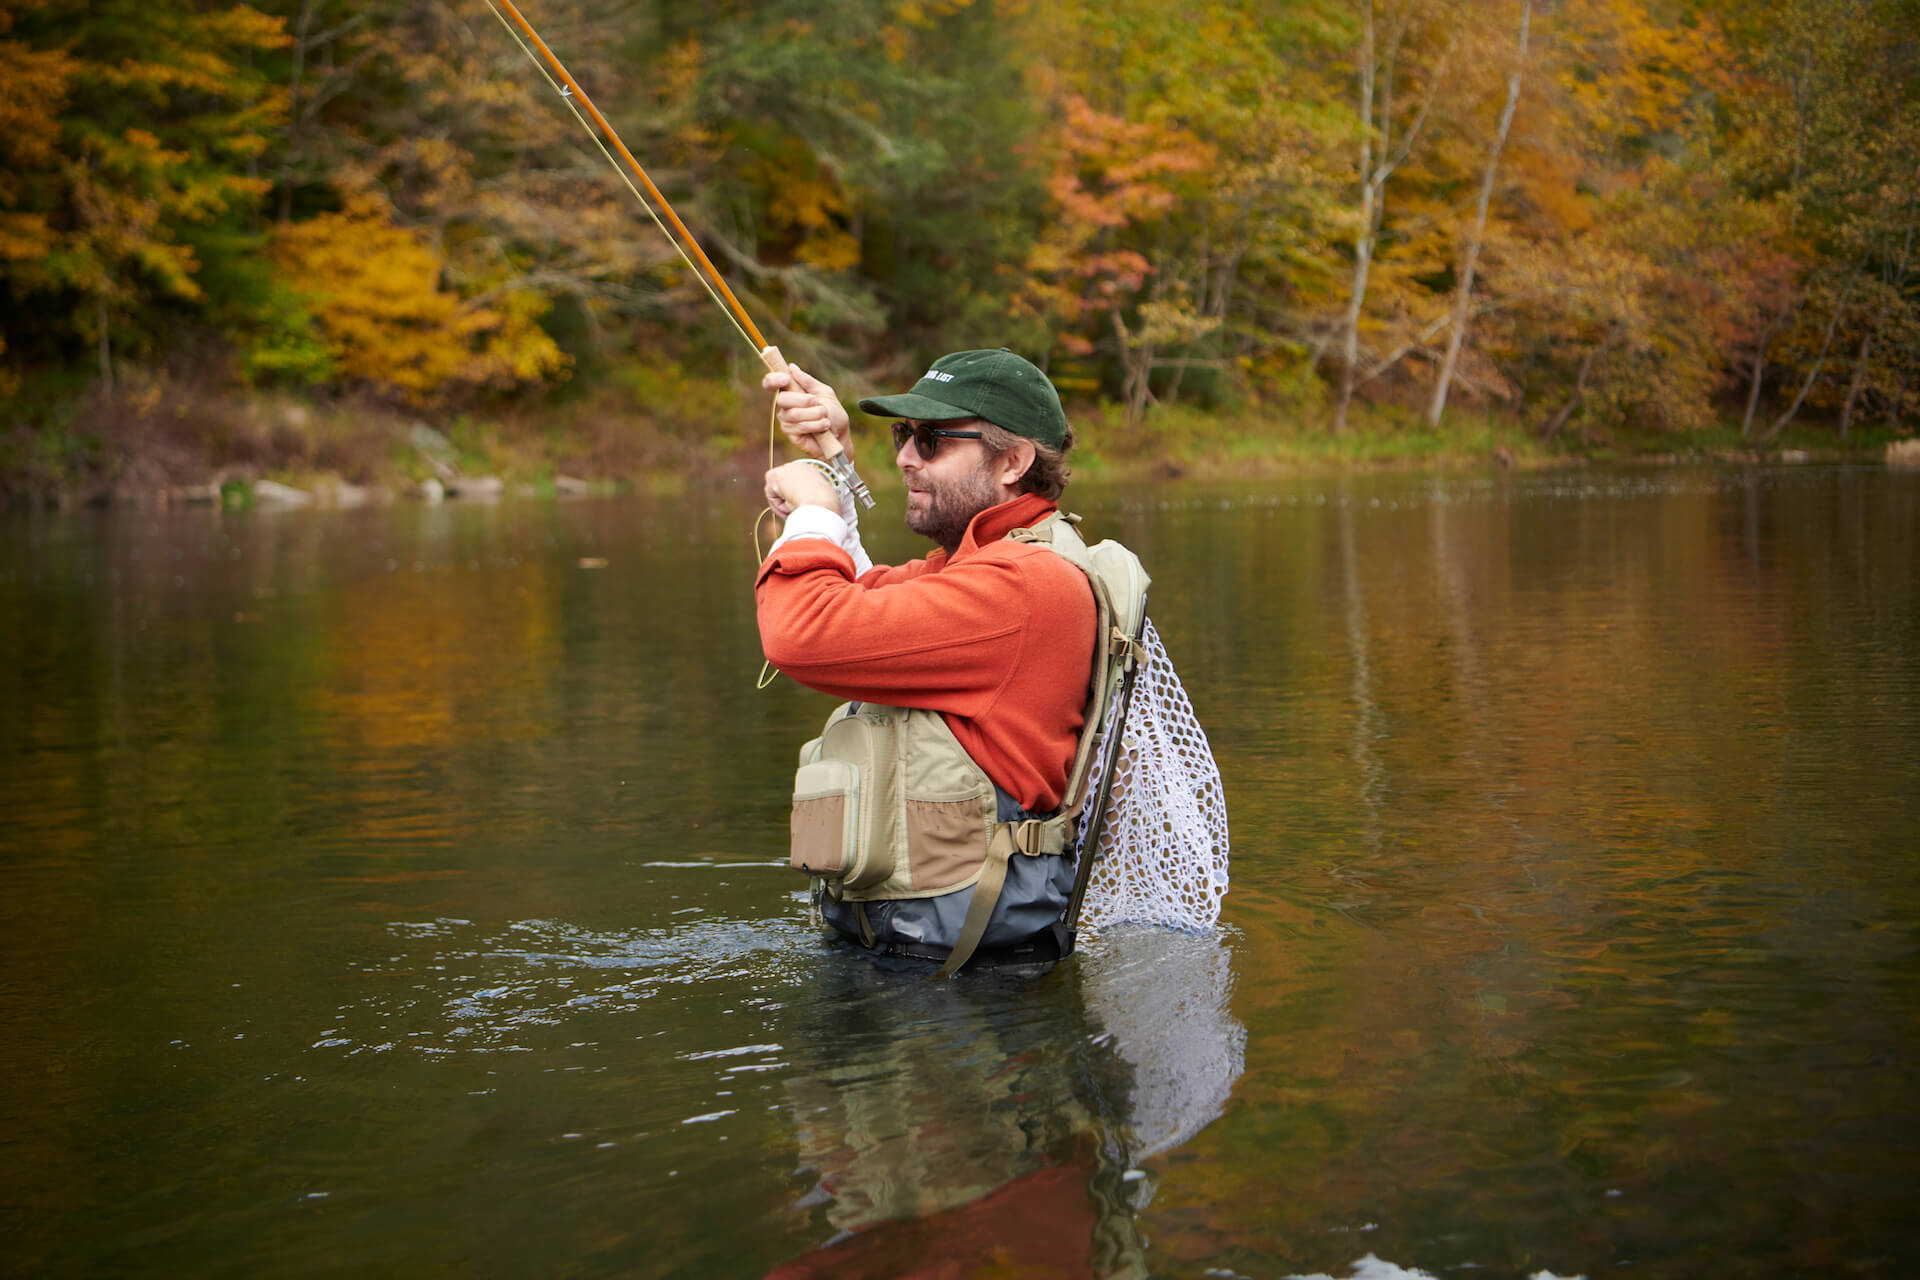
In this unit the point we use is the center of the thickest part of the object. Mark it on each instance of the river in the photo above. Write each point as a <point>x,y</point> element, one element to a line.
<point>402,891</point>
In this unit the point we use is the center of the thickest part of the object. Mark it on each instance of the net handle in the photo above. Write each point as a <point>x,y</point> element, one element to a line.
<point>1110,753</point>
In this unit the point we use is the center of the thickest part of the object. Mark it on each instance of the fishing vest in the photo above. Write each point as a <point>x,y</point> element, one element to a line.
<point>897,824</point>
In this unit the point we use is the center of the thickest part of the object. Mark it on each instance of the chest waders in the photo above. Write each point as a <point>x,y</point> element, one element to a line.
<point>913,848</point>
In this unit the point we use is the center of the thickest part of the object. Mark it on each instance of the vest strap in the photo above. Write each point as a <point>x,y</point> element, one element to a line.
<point>1033,837</point>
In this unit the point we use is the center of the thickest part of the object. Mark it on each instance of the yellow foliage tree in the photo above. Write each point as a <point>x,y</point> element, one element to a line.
<point>33,89</point>
<point>375,288</point>
<point>126,131</point>
<point>806,207</point>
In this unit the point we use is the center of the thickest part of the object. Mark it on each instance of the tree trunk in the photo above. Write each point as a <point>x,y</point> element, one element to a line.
<point>1799,87</point>
<point>105,344</point>
<point>293,100</point>
<point>1136,371</point>
<point>1819,364</point>
<point>1363,244</point>
<point>1172,392</point>
<point>1463,288</point>
<point>1350,343</point>
<point>1895,278</point>
<point>1900,286</point>
<point>1172,395</point>
<point>1859,380</point>
<point>1559,420</point>
<point>1376,103</point>
<point>1760,370</point>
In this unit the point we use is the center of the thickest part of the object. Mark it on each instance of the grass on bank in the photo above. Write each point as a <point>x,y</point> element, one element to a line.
<point>659,428</point>
<point>1179,439</point>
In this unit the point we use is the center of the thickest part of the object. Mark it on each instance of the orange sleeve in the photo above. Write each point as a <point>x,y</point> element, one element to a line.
<point>946,641</point>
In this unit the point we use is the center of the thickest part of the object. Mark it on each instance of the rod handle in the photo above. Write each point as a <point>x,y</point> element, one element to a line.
<point>777,363</point>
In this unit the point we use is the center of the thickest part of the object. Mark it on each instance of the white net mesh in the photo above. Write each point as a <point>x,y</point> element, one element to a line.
<point>1161,856</point>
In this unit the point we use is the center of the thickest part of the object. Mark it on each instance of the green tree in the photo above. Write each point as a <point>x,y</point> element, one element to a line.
<point>162,117</point>
<point>867,168</point>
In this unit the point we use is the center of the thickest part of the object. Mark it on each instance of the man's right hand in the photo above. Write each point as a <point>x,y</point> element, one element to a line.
<point>808,409</point>
<point>800,484</point>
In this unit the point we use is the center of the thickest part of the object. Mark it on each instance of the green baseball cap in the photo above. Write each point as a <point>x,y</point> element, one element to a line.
<point>1005,389</point>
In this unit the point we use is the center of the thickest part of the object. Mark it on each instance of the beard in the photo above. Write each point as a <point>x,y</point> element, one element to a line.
<point>949,506</point>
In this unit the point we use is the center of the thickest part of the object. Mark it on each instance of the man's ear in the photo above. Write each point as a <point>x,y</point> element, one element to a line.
<point>1014,463</point>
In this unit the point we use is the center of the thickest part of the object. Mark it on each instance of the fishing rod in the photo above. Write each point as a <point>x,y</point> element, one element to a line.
<point>689,248</point>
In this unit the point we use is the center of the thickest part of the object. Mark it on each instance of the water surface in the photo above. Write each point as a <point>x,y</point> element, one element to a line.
<point>402,890</point>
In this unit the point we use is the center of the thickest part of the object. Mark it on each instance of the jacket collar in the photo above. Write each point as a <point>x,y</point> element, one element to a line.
<point>996,523</point>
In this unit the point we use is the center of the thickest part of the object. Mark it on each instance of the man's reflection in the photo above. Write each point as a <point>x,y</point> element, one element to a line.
<point>999,1121</point>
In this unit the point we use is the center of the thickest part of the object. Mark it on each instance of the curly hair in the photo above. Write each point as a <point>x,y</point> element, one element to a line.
<point>1048,474</point>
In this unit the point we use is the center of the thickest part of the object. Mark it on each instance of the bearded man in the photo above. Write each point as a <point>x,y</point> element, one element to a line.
<point>993,633</point>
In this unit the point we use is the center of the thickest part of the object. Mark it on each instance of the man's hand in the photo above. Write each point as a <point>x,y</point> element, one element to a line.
<point>800,484</point>
<point>808,409</point>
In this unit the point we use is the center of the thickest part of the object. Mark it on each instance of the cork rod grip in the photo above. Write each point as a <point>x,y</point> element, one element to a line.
<point>777,363</point>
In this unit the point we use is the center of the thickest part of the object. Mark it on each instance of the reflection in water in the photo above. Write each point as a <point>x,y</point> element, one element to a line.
<point>1367,720</point>
<point>1161,998</point>
<point>1006,1116</point>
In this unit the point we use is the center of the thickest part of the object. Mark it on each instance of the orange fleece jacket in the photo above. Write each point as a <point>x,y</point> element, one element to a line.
<point>998,638</point>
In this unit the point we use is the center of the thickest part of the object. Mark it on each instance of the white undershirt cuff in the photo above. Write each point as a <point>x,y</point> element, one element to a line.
<point>818,522</point>
<point>812,522</point>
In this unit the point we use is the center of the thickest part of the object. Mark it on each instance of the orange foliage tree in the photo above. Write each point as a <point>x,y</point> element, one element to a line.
<point>1111,180</point>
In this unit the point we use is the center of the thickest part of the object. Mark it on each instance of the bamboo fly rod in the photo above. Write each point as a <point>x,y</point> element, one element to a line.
<point>689,248</point>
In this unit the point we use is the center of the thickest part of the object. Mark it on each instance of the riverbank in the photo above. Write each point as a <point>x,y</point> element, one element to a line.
<point>157,441</point>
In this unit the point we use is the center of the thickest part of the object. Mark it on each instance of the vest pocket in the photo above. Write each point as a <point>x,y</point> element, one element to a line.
<point>826,818</point>
<point>946,840</point>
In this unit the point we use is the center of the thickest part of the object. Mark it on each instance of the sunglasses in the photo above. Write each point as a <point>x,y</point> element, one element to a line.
<point>926,439</point>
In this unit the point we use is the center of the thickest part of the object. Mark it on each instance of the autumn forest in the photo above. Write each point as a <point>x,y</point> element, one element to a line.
<point>1570,217</point>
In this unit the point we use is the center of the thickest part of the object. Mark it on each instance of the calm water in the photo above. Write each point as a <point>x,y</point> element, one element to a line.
<point>400,891</point>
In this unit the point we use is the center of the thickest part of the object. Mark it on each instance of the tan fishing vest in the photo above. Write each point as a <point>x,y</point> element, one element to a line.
<point>888,805</point>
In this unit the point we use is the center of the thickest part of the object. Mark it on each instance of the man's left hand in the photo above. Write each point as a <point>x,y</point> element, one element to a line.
<point>808,410</point>
<point>800,484</point>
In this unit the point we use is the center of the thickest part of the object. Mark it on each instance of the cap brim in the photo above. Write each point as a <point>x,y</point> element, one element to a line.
<point>920,408</point>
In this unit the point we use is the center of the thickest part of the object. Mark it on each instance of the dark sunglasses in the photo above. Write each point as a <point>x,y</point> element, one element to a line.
<point>926,439</point>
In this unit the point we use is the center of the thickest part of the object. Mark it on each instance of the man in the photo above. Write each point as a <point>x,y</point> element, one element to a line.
<point>994,634</point>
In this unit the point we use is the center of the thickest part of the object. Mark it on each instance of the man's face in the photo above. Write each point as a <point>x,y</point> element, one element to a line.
<point>946,492</point>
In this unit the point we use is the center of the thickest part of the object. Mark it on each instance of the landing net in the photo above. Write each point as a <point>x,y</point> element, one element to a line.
<point>1161,855</point>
